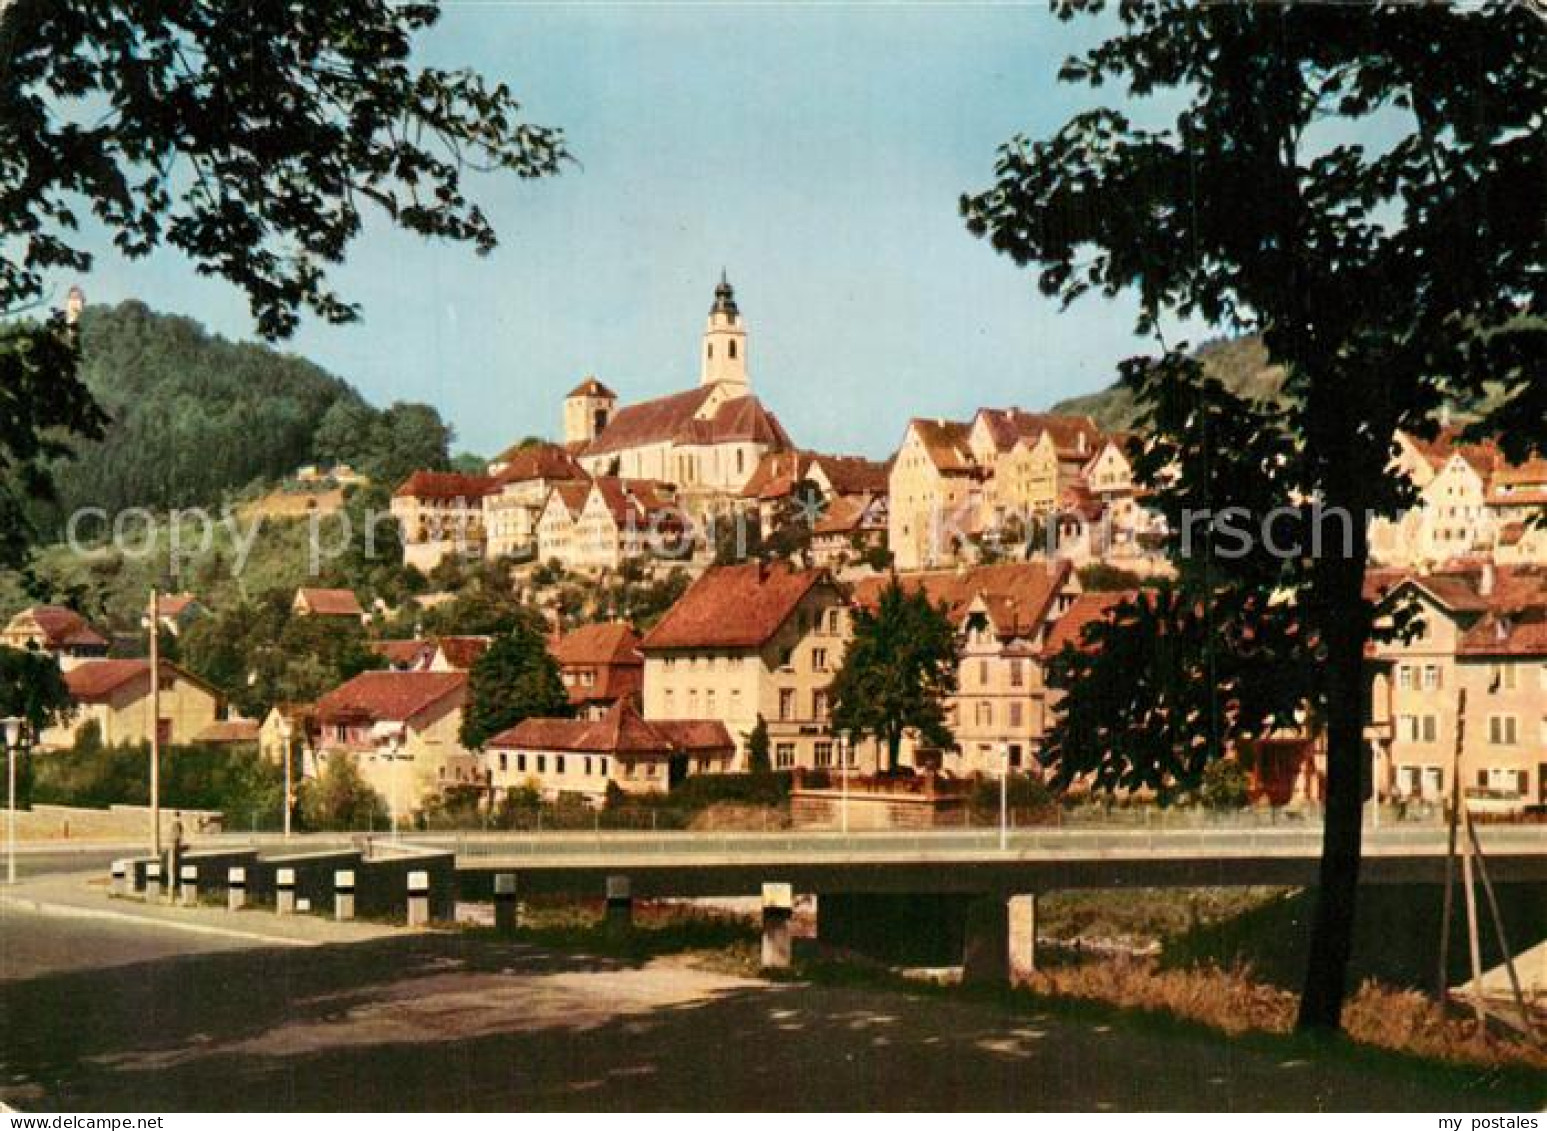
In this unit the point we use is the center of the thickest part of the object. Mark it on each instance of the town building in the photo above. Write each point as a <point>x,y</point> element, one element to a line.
<point>1004,616</point>
<point>115,696</point>
<point>62,633</point>
<point>601,666</point>
<point>752,641</point>
<point>850,527</point>
<point>441,514</point>
<point>401,729</point>
<point>176,611</point>
<point>1483,630</point>
<point>522,479</point>
<point>706,441</point>
<point>582,757</point>
<point>617,519</point>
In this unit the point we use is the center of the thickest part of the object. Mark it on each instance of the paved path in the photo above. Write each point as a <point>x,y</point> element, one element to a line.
<point>460,1022</point>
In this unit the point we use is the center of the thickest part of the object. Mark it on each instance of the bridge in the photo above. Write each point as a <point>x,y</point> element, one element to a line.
<point>962,862</point>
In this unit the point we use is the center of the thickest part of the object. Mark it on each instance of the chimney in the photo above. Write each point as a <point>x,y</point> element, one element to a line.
<point>1485,580</point>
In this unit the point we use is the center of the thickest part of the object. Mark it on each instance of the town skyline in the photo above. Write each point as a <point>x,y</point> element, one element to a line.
<point>836,220</point>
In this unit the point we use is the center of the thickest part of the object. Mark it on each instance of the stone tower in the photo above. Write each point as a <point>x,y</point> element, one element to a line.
<point>587,410</point>
<point>725,341</point>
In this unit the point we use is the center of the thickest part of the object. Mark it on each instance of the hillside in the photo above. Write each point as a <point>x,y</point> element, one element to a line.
<point>1241,364</point>
<point>195,417</point>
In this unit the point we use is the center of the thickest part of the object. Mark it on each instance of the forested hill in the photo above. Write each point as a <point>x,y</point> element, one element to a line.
<point>195,416</point>
<point>1241,364</point>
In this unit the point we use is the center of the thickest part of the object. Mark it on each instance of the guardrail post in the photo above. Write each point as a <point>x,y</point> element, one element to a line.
<point>778,909</point>
<point>120,870</point>
<point>236,888</point>
<point>152,881</point>
<point>620,906</point>
<point>344,894</point>
<point>188,884</point>
<point>1023,937</point>
<point>505,913</point>
<point>418,899</point>
<point>284,891</point>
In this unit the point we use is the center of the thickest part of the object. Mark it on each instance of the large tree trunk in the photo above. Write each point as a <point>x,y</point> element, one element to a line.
<point>1344,628</point>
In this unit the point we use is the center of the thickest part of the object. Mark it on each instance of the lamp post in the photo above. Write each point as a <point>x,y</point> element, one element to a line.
<point>11,730</point>
<point>843,770</point>
<point>1004,796</point>
<point>285,733</point>
<point>393,746</point>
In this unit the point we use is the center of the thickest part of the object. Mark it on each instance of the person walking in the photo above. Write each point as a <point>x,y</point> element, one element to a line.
<point>174,874</point>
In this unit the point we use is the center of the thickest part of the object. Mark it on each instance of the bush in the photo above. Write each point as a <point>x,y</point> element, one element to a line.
<point>1225,786</point>
<point>1028,797</point>
<point>341,800</point>
<point>699,791</point>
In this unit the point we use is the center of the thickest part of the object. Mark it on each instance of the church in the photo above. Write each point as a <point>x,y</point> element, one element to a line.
<point>706,442</point>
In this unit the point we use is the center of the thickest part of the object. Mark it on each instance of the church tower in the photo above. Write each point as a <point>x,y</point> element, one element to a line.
<point>725,341</point>
<point>587,411</point>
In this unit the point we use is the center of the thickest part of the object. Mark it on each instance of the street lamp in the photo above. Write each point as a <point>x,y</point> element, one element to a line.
<point>285,732</point>
<point>843,771</point>
<point>11,730</point>
<point>1004,796</point>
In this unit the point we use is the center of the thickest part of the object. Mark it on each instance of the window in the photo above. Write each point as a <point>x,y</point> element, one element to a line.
<point>1503,678</point>
<point>786,703</point>
<point>784,756</point>
<point>709,703</point>
<point>520,763</point>
<point>1015,714</point>
<point>504,758</point>
<point>731,345</point>
<point>1431,728</point>
<point>1431,677</point>
<point>819,659</point>
<point>1405,677</point>
<point>588,767</point>
<point>824,754</point>
<point>542,763</point>
<point>832,628</point>
<point>1502,730</point>
<point>819,704</point>
<point>1017,674</point>
<point>985,713</point>
<point>558,764</point>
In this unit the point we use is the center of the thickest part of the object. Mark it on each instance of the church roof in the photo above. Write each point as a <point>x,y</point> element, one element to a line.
<point>738,419</point>
<point>591,387</point>
<point>649,422</point>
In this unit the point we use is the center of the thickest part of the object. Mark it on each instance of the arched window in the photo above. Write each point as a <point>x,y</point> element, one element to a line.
<point>732,345</point>
<point>709,347</point>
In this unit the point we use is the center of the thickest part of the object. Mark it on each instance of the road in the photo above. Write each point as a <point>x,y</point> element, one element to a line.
<point>99,1019</point>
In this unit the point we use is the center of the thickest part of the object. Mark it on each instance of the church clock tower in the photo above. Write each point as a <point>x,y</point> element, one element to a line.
<point>725,341</point>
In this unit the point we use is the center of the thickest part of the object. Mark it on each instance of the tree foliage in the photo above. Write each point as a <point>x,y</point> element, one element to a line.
<point>1387,281</point>
<point>32,688</point>
<point>339,799</point>
<point>516,678</point>
<point>898,670</point>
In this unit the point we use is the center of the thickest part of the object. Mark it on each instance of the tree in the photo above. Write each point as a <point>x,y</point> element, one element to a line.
<point>32,688</point>
<point>254,146</point>
<point>405,438</point>
<point>1387,281</point>
<point>338,798</point>
<point>793,522</point>
<point>758,761</point>
<point>344,433</point>
<point>516,678</point>
<point>898,670</point>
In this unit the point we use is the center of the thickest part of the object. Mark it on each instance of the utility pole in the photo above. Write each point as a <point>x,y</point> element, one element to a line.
<point>155,723</point>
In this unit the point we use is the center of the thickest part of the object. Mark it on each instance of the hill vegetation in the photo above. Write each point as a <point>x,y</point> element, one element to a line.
<point>1241,364</point>
<point>195,417</point>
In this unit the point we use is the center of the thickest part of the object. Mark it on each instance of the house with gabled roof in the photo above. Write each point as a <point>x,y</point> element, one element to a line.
<point>582,757</point>
<point>441,514</point>
<point>62,633</point>
<point>611,521</point>
<point>600,666</point>
<point>936,493</point>
<point>750,641</point>
<point>340,603</point>
<point>401,729</point>
<point>523,477</point>
<point>115,696</point>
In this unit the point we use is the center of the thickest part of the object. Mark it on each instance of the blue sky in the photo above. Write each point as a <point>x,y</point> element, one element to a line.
<point>814,151</point>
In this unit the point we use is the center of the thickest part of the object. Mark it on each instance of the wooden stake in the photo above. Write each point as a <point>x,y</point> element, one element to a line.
<point>1473,943</point>
<point>1442,979</point>
<point>155,723</point>
<point>1498,924</point>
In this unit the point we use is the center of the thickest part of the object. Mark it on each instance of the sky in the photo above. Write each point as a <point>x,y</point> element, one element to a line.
<point>814,152</point>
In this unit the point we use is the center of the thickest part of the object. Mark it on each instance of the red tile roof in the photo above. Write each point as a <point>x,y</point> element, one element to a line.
<point>734,606</point>
<point>853,475</point>
<point>590,387</point>
<point>778,473</point>
<point>96,681</point>
<point>404,653</point>
<point>229,731</point>
<point>445,485</point>
<point>1507,634</point>
<point>1087,608</point>
<point>946,444</point>
<point>620,731</point>
<point>649,422</point>
<point>462,652</point>
<point>389,696</point>
<point>1074,437</point>
<point>570,495</point>
<point>613,642</point>
<point>62,627</point>
<point>740,419</point>
<point>1017,595</point>
<point>538,461</point>
<point>331,602</point>
<point>847,514</point>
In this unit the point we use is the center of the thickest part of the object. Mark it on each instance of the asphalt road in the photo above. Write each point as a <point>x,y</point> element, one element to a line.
<point>97,1017</point>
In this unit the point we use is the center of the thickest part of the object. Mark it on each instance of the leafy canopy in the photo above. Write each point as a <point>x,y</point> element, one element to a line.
<point>516,678</point>
<point>898,670</point>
